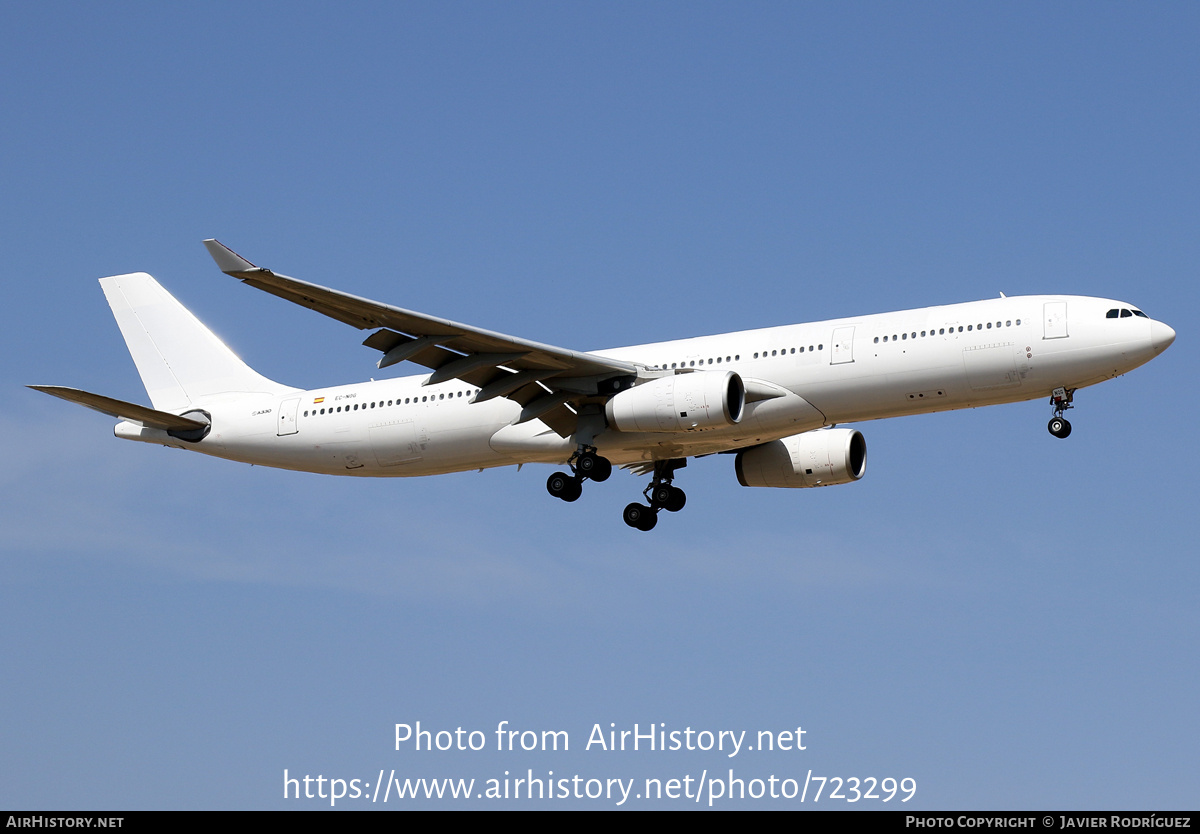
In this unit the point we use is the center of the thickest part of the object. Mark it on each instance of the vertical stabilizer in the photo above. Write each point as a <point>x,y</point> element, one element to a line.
<point>179,359</point>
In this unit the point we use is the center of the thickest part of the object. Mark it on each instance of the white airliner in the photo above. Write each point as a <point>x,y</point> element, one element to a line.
<point>772,396</point>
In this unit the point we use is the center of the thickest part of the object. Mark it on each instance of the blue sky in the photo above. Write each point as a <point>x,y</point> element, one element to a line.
<point>1008,619</point>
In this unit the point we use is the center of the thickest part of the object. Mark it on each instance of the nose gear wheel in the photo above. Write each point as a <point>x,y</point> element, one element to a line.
<point>1060,399</point>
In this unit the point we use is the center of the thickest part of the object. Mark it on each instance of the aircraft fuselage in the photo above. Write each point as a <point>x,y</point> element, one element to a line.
<point>822,373</point>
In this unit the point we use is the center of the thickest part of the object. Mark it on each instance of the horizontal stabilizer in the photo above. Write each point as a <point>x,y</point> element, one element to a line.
<point>123,410</point>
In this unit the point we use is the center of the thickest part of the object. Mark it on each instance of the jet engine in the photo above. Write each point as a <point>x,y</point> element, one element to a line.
<point>681,402</point>
<point>816,458</point>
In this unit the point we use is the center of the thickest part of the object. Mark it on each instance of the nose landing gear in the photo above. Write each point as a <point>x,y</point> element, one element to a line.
<point>660,495</point>
<point>1061,400</point>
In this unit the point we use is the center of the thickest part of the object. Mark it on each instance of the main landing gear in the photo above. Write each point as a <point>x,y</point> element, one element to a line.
<point>585,464</point>
<point>660,495</point>
<point>1061,400</point>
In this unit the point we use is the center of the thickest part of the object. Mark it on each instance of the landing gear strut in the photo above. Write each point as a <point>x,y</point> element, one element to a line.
<point>660,495</point>
<point>585,464</point>
<point>1061,400</point>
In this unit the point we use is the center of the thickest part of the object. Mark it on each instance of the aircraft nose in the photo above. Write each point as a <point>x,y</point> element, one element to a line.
<point>1161,336</point>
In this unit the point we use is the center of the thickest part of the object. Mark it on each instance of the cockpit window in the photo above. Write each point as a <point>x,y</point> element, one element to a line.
<point>1140,313</point>
<point>1112,314</point>
<point>1125,314</point>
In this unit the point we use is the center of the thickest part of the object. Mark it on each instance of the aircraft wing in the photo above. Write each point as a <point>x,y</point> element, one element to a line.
<point>119,408</point>
<point>550,383</point>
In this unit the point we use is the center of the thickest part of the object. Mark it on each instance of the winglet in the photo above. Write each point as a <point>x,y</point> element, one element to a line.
<point>228,261</point>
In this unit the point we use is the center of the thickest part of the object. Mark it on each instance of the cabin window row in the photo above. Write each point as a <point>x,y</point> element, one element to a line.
<point>786,351</point>
<point>737,357</point>
<point>942,331</point>
<point>694,362</point>
<point>383,404</point>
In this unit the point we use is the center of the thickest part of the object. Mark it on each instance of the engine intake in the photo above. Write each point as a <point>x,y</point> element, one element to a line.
<point>816,458</point>
<point>681,402</point>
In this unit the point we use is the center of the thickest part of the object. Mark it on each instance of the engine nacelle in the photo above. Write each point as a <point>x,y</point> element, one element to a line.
<point>681,402</point>
<point>816,458</point>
